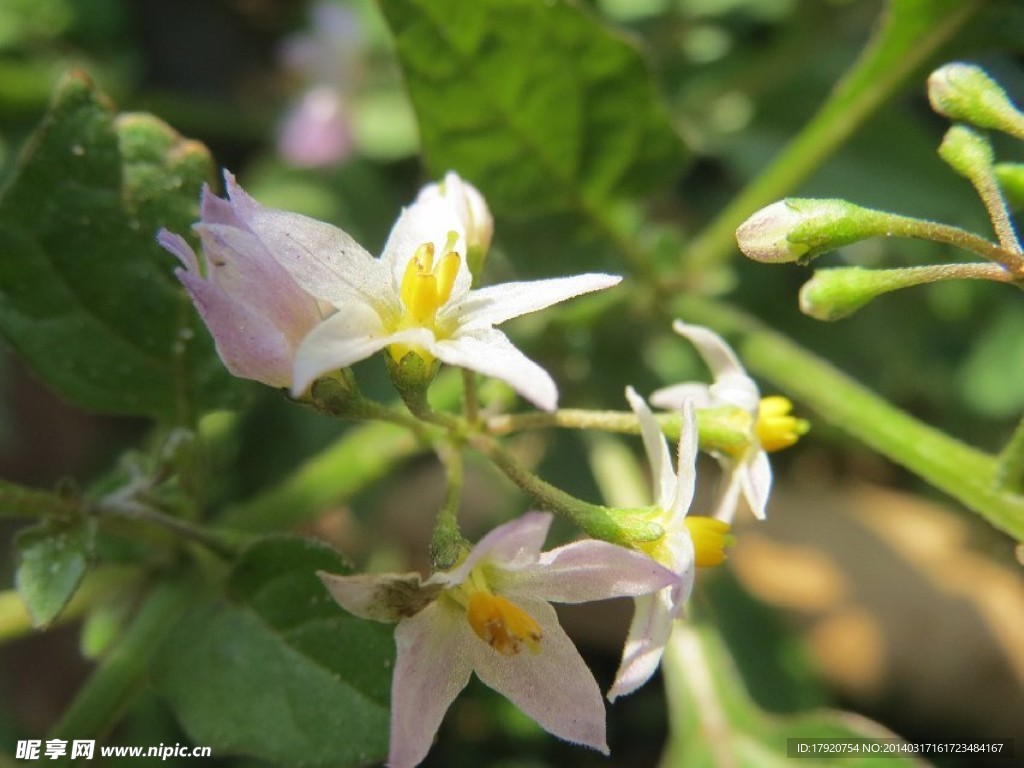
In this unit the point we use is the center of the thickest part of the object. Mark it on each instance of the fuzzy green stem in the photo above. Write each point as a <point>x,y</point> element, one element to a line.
<point>623,527</point>
<point>447,544</point>
<point>890,58</point>
<point>718,429</point>
<point>115,681</point>
<point>470,407</point>
<point>965,473</point>
<point>227,544</point>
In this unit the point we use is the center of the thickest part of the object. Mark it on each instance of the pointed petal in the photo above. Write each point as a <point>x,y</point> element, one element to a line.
<point>432,667</point>
<point>348,336</point>
<point>730,500</point>
<point>387,597</point>
<point>732,384</point>
<point>648,634</point>
<point>588,570</point>
<point>656,447</point>
<point>554,686</point>
<point>672,398</point>
<point>686,468</point>
<point>513,545</point>
<point>324,260</point>
<point>489,351</point>
<point>757,483</point>
<point>247,340</point>
<point>497,303</point>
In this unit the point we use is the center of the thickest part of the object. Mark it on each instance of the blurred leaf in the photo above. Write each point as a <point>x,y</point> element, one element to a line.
<point>707,696</point>
<point>324,675</point>
<point>86,295</point>
<point>990,377</point>
<point>53,558</point>
<point>535,102</point>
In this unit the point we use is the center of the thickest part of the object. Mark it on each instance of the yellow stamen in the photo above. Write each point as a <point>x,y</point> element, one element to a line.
<point>501,624</point>
<point>710,538</point>
<point>777,427</point>
<point>425,288</point>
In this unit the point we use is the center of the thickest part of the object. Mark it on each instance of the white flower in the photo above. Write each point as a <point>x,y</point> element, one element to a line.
<point>686,543</point>
<point>771,426</point>
<point>481,616</point>
<point>469,206</point>
<point>415,298</point>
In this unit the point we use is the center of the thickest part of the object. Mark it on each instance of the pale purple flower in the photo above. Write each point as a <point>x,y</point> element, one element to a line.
<point>653,615</point>
<point>749,475</point>
<point>415,298</point>
<point>255,311</point>
<point>317,128</point>
<point>492,615</point>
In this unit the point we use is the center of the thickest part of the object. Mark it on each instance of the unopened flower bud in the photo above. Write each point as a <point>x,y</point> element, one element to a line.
<point>800,229</point>
<point>833,294</point>
<point>472,211</point>
<point>965,92</point>
<point>967,152</point>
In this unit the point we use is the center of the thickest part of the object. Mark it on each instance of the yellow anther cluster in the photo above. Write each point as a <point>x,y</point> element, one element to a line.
<point>502,624</point>
<point>426,287</point>
<point>710,538</point>
<point>776,426</point>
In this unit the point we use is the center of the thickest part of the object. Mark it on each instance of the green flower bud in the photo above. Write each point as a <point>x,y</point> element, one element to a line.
<point>800,229</point>
<point>833,294</point>
<point>967,152</point>
<point>1011,180</point>
<point>965,92</point>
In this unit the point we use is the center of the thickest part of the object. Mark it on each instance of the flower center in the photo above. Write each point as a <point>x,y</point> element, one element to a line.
<point>710,538</point>
<point>426,287</point>
<point>500,623</point>
<point>776,426</point>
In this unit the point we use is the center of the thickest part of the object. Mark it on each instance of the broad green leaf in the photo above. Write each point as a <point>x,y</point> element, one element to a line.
<point>276,669</point>
<point>86,295</point>
<point>706,696</point>
<point>535,102</point>
<point>53,557</point>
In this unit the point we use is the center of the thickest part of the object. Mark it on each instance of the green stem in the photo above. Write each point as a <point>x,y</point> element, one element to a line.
<point>890,58</point>
<point>112,685</point>
<point>470,407</point>
<point>447,544</point>
<point>18,501</point>
<point>965,473</point>
<point>624,527</point>
<point>1010,476</point>
<point>227,544</point>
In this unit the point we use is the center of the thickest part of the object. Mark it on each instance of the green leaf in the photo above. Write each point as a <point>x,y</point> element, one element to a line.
<point>535,102</point>
<point>321,677</point>
<point>53,558</point>
<point>86,295</point>
<point>706,695</point>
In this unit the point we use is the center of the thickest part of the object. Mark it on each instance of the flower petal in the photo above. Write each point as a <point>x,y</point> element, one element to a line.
<point>553,686</point>
<point>497,303</point>
<point>322,259</point>
<point>732,384</point>
<point>656,447</point>
<point>648,634</point>
<point>756,482</point>
<point>348,336</point>
<point>489,351</point>
<point>686,466</point>
<point>432,667</point>
<point>587,570</point>
<point>672,398</point>
<point>387,597</point>
<point>513,545</point>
